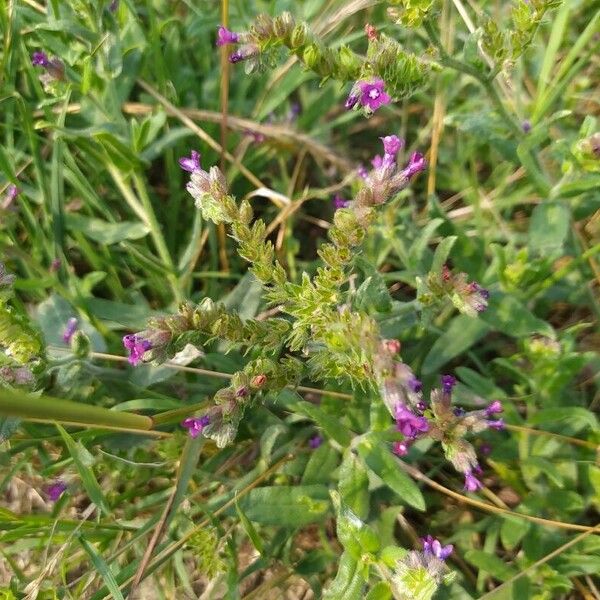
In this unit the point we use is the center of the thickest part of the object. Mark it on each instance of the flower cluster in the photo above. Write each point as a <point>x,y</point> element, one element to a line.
<point>387,73</point>
<point>469,298</point>
<point>418,574</point>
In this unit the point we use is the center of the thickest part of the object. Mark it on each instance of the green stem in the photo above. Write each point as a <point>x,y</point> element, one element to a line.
<point>46,409</point>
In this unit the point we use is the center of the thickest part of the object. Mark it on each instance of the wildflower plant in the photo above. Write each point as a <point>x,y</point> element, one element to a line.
<point>343,343</point>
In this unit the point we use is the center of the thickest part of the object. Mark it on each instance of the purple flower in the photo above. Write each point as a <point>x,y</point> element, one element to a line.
<point>414,384</point>
<point>433,546</point>
<point>416,164</point>
<point>372,94</point>
<point>392,144</point>
<point>225,36</point>
<point>315,442</point>
<point>40,59</point>
<point>448,382</point>
<point>401,448</point>
<point>472,484</point>
<point>485,449</point>
<point>55,490</point>
<point>494,408</point>
<point>12,191</point>
<point>190,163</point>
<point>408,423</point>
<point>244,53</point>
<point>70,329</point>
<point>499,424</point>
<point>137,347</point>
<point>377,162</point>
<point>195,425</point>
<point>339,202</point>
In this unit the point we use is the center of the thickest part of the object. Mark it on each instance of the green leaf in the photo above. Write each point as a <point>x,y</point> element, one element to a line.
<point>104,232</point>
<point>380,591</point>
<point>322,462</point>
<point>507,314</point>
<point>548,227</point>
<point>462,333</point>
<point>442,252</point>
<point>491,564</point>
<point>380,460</point>
<point>102,568</point>
<point>353,484</point>
<point>250,530</point>
<point>331,425</point>
<point>373,295</point>
<point>355,535</point>
<point>81,458</point>
<point>348,583</point>
<point>286,505</point>
<point>578,415</point>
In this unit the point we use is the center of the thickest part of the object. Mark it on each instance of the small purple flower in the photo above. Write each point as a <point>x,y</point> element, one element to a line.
<point>408,423</point>
<point>55,490</point>
<point>377,162</point>
<point>448,382</point>
<point>494,408</point>
<point>190,163</point>
<point>392,144</point>
<point>485,449</point>
<point>373,94</point>
<point>244,53</point>
<point>136,347</point>
<point>225,36</point>
<point>401,448</point>
<point>70,330</point>
<point>195,425</point>
<point>472,484</point>
<point>315,442</point>
<point>416,164</point>
<point>40,59</point>
<point>433,546</point>
<point>499,424</point>
<point>12,191</point>
<point>414,384</point>
<point>351,100</point>
<point>339,202</point>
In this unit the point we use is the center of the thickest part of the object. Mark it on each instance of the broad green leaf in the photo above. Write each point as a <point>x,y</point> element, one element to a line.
<point>331,425</point>
<point>380,591</point>
<point>322,462</point>
<point>508,315</point>
<point>107,233</point>
<point>462,333</point>
<point>80,456</point>
<point>548,227</point>
<point>286,506</point>
<point>353,484</point>
<point>102,568</point>
<point>491,564</point>
<point>348,583</point>
<point>355,535</point>
<point>380,460</point>
<point>580,417</point>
